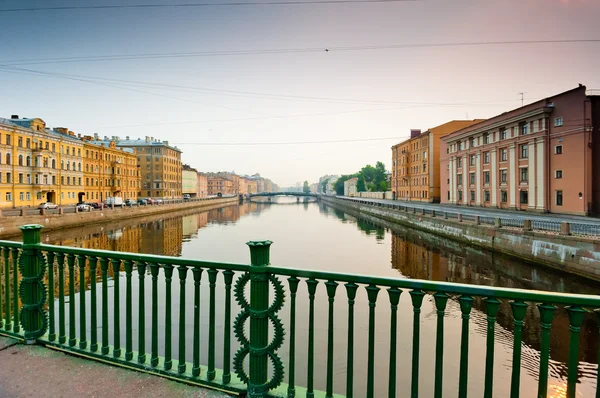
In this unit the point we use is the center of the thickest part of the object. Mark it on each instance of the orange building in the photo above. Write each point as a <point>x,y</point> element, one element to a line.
<point>416,163</point>
<point>543,157</point>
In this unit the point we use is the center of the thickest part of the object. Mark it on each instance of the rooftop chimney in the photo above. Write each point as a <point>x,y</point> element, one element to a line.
<point>415,133</point>
<point>96,136</point>
<point>166,142</point>
<point>147,139</point>
<point>14,116</point>
<point>127,138</point>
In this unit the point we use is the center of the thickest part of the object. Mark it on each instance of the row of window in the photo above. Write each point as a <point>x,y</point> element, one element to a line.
<point>26,196</point>
<point>414,194</point>
<point>524,176</point>
<point>504,133</point>
<point>523,197</point>
<point>558,150</point>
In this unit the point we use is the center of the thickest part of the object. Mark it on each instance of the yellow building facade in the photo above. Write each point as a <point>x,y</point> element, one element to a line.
<point>109,171</point>
<point>38,164</point>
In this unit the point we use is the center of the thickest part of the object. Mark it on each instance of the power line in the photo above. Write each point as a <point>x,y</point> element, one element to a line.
<point>207,4</point>
<point>287,143</point>
<point>152,85</point>
<point>120,57</point>
<point>88,80</point>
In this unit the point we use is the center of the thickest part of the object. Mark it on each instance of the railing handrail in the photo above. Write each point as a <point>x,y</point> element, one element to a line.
<point>445,287</point>
<point>147,258</point>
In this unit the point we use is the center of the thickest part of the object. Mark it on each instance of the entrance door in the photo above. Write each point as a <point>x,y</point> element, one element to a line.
<point>50,197</point>
<point>80,196</point>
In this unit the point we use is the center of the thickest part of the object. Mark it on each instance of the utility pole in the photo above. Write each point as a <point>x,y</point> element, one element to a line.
<point>521,94</point>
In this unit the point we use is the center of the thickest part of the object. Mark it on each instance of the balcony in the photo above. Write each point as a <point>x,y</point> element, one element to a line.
<point>43,187</point>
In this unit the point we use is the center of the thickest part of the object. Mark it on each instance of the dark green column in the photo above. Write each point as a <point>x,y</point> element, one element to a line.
<point>32,290</point>
<point>259,322</point>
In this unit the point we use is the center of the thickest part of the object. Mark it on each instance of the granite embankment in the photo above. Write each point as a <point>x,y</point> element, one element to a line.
<point>9,226</point>
<point>576,255</point>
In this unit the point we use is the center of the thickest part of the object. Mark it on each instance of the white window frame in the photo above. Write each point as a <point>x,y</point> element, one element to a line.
<point>558,121</point>
<point>556,149</point>
<point>556,173</point>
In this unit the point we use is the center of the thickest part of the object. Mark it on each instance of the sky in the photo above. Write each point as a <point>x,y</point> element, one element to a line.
<point>260,75</point>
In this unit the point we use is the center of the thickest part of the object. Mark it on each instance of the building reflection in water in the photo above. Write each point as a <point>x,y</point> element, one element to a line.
<point>161,235</point>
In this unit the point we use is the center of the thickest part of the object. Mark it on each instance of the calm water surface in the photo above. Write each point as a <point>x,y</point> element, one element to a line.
<point>315,236</point>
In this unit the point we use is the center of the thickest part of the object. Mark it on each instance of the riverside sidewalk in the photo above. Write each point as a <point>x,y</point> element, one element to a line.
<point>29,371</point>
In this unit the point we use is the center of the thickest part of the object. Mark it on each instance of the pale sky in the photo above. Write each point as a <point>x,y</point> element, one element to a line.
<point>289,96</point>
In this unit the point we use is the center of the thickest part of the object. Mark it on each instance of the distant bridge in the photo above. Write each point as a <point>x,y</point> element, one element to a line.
<point>270,194</point>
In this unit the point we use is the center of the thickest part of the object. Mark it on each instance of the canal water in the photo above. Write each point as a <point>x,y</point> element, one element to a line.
<point>316,236</point>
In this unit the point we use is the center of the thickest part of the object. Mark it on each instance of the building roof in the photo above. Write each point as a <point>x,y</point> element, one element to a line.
<point>452,125</point>
<point>139,143</point>
<point>535,106</point>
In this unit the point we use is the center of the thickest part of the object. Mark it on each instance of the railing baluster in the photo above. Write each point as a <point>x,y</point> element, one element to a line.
<point>546,315</point>
<point>72,328</point>
<point>116,266</point>
<point>441,300</point>
<point>2,308</point>
<point>154,272</point>
<point>128,312</point>
<point>291,391</point>
<point>575,321</point>
<point>372,292</point>
<point>416,297</point>
<point>51,315</point>
<point>197,272</point>
<point>104,268</point>
<point>394,295</point>
<point>466,304</point>
<point>15,260</point>
<point>228,278</point>
<point>351,289</point>
<point>212,279</point>
<point>491,308</point>
<point>519,308</point>
<point>62,336</point>
<point>93,261</point>
<point>168,340</point>
<point>141,268</point>
<point>7,318</point>
<point>182,271</point>
<point>312,288</point>
<point>82,321</point>
<point>331,286</point>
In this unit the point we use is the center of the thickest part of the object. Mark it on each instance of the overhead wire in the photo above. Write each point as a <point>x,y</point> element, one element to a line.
<point>327,49</point>
<point>203,4</point>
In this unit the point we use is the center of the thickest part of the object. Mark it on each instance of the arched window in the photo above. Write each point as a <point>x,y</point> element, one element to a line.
<point>8,158</point>
<point>79,166</point>
<point>87,167</point>
<point>68,165</point>
<point>53,163</point>
<point>20,160</point>
<point>62,164</point>
<point>28,160</point>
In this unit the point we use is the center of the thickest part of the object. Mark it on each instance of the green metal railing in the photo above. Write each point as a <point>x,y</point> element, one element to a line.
<point>76,299</point>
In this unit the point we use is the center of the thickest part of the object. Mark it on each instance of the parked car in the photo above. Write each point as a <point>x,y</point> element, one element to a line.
<point>84,207</point>
<point>142,202</point>
<point>130,202</point>
<point>151,201</point>
<point>186,196</point>
<point>48,205</point>
<point>95,205</point>
<point>159,201</point>
<point>114,201</point>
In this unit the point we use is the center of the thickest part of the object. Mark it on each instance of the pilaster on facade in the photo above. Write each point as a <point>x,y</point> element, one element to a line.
<point>494,178</point>
<point>533,192</point>
<point>540,167</point>
<point>465,176</point>
<point>452,178</point>
<point>512,176</point>
<point>478,178</point>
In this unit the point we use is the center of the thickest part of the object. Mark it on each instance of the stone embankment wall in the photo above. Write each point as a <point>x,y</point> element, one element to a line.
<point>9,226</point>
<point>576,255</point>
